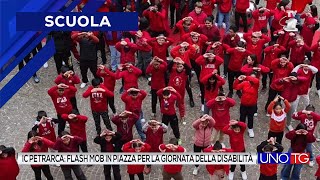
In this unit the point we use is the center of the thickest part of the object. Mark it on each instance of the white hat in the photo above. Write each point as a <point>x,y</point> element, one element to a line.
<point>291,25</point>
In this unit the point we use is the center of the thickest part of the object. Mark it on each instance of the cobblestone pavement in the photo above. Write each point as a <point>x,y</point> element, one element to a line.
<point>18,115</point>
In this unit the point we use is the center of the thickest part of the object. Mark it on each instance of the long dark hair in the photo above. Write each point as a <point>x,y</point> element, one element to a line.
<point>212,87</point>
<point>254,59</point>
<point>314,10</point>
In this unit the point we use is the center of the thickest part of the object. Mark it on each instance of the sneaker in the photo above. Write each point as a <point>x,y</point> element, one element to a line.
<point>318,139</point>
<point>179,141</point>
<point>311,163</point>
<point>255,114</point>
<point>63,63</point>
<point>58,165</point>
<point>191,103</point>
<point>290,128</point>
<point>83,85</point>
<point>231,175</point>
<point>195,171</point>
<point>251,133</point>
<point>36,79</point>
<point>45,65</point>
<point>202,108</point>
<point>268,115</point>
<point>244,175</point>
<point>143,120</point>
<point>224,76</point>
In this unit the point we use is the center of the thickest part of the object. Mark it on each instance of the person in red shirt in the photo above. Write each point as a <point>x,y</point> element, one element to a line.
<point>127,51</point>
<point>217,172</point>
<point>8,163</point>
<point>132,99</point>
<point>230,39</point>
<point>157,69</point>
<point>279,14</point>
<point>261,17</point>
<point>137,146</point>
<point>37,144</point>
<point>278,116</point>
<point>235,131</point>
<point>208,7</point>
<point>169,97</point>
<point>298,50</point>
<point>241,11</point>
<point>186,25</point>
<point>78,127</point>
<point>272,4</point>
<point>160,45</point>
<point>224,11</point>
<point>310,25</point>
<point>220,107</point>
<point>316,63</point>
<point>61,95</point>
<point>249,85</point>
<point>157,18</point>
<point>45,125</point>
<point>210,30</point>
<point>251,65</point>
<point>129,75</point>
<point>172,171</point>
<point>299,6</point>
<point>269,171</point>
<point>109,142</point>
<point>283,39</point>
<point>255,43</point>
<point>197,14</point>
<point>212,83</point>
<point>99,103</point>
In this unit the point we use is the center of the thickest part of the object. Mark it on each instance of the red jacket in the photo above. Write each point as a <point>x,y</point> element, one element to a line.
<point>212,168</point>
<point>99,99</point>
<point>135,169</point>
<point>221,112</point>
<point>299,5</point>
<point>125,129</point>
<point>248,69</point>
<point>242,6</point>
<point>308,27</point>
<point>212,93</point>
<point>224,5</point>
<point>249,88</point>
<point>77,127</point>
<point>186,56</point>
<point>310,123</point>
<point>193,27</point>
<point>199,45</point>
<point>316,56</point>
<point>206,66</point>
<point>200,18</point>
<point>133,105</point>
<point>109,78</point>
<point>260,20</point>
<point>278,15</point>
<point>156,19</point>
<point>292,89</point>
<point>297,52</point>
<point>160,50</point>
<point>236,59</point>
<point>157,75</point>
<point>279,72</point>
<point>130,79</point>
<point>305,85</point>
<point>272,4</point>
<point>73,146</point>
<point>127,55</point>
<point>284,39</point>
<point>71,81</point>
<point>219,50</point>
<point>141,42</point>
<point>256,49</point>
<point>271,53</point>
<point>298,141</point>
<point>155,138</point>
<point>62,103</point>
<point>236,139</point>
<point>213,33</point>
<point>28,147</point>
<point>9,167</point>
<point>231,41</point>
<point>208,6</point>
<point>172,169</point>
<point>167,106</point>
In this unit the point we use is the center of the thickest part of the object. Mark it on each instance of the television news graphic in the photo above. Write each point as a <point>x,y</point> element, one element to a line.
<point>283,158</point>
<point>137,158</point>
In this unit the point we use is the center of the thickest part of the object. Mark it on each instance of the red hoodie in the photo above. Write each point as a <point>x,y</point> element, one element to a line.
<point>193,27</point>
<point>172,169</point>
<point>271,53</point>
<point>47,131</point>
<point>297,52</point>
<point>316,56</point>
<point>141,42</point>
<point>292,89</point>
<point>71,81</point>
<point>157,75</point>
<point>125,129</point>
<point>167,106</point>
<point>130,78</point>
<point>310,123</point>
<point>305,85</point>
<point>156,19</point>
<point>249,88</point>
<point>242,6</point>
<point>237,58</point>
<point>248,69</point>
<point>257,48</point>
<point>78,126</point>
<point>298,141</point>
<point>278,15</point>
<point>231,41</point>
<point>213,33</point>
<point>127,55</point>
<point>186,56</point>
<point>212,168</point>
<point>236,139</point>
<point>200,18</point>
<point>9,168</point>
<point>208,6</point>
<point>221,112</point>
<point>284,39</point>
<point>99,99</point>
<point>279,72</point>
<point>154,138</point>
<point>62,102</point>
<point>133,104</point>
<point>272,4</point>
<point>135,169</point>
<point>307,31</point>
<point>260,19</point>
<point>224,5</point>
<point>212,93</point>
<point>206,66</point>
<point>109,78</point>
<point>160,50</point>
<point>199,45</point>
<point>299,5</point>
<point>218,50</point>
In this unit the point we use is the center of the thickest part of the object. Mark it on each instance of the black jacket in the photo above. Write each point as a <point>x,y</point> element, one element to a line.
<point>115,141</point>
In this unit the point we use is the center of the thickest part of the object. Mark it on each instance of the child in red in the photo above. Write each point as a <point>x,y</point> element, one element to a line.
<point>185,51</point>
<point>255,43</point>
<point>136,146</point>
<point>109,81</point>
<point>251,65</point>
<point>186,25</point>
<point>157,18</point>
<point>278,116</point>
<point>298,50</point>
<point>235,131</point>
<point>172,171</point>
<point>129,75</point>
<point>310,25</point>
<point>44,126</point>
<point>261,17</point>
<point>217,172</point>
<point>8,163</point>
<point>78,127</point>
<point>160,45</point>
<point>220,107</point>
<point>127,51</point>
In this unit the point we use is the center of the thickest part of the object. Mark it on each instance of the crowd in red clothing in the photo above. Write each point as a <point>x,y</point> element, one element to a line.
<point>242,57</point>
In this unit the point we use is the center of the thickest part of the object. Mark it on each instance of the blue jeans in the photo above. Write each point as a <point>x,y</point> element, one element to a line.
<point>206,108</point>
<point>309,150</point>
<point>115,58</point>
<point>298,17</point>
<point>139,127</point>
<point>224,17</point>
<point>285,172</point>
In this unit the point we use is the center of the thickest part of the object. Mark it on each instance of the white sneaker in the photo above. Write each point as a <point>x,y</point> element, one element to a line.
<point>268,115</point>
<point>83,85</point>
<point>251,133</point>
<point>58,165</point>
<point>244,175</point>
<point>224,25</point>
<point>311,163</point>
<point>231,175</point>
<point>143,120</point>
<point>195,171</point>
<point>202,108</point>
<point>63,63</point>
<point>153,115</point>
<point>317,139</point>
<point>255,114</point>
<point>45,65</point>
<point>149,78</point>
<point>290,128</point>
<point>223,145</point>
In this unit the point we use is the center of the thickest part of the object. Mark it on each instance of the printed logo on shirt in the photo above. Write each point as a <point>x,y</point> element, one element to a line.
<point>96,97</point>
<point>309,124</point>
<point>166,104</point>
<point>177,81</point>
<point>210,66</point>
<point>61,101</point>
<point>262,18</point>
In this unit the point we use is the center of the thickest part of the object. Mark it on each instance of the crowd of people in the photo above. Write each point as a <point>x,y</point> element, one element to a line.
<point>275,47</point>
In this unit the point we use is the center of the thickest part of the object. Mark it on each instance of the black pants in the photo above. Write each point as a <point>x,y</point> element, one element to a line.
<point>73,101</point>
<point>61,125</point>
<point>188,88</point>
<point>247,112</point>
<point>197,68</point>
<point>226,64</point>
<point>231,76</point>
<point>66,170</point>
<point>84,66</point>
<point>277,135</point>
<point>272,94</point>
<point>102,47</point>
<point>84,146</point>
<point>273,37</point>
<point>111,104</point>
<point>198,149</point>
<point>173,120</point>
<point>244,20</point>
<point>46,171</point>
<point>105,118</point>
<point>242,167</point>
<point>154,100</point>
<point>115,169</point>
<point>63,57</point>
<point>317,76</point>
<point>140,176</point>
<point>264,79</point>
<point>264,177</point>
<point>174,11</point>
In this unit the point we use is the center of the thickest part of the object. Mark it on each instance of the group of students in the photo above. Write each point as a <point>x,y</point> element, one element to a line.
<point>285,55</point>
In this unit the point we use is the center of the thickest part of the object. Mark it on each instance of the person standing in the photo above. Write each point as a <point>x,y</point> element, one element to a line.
<point>8,163</point>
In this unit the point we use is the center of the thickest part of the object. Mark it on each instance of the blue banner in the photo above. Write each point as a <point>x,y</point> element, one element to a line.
<point>49,21</point>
